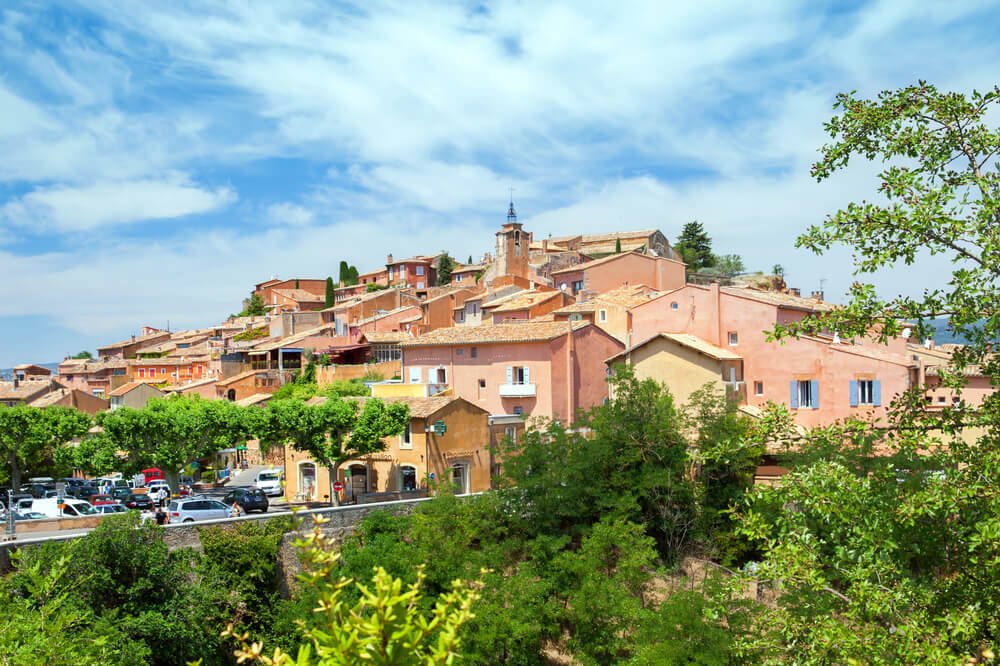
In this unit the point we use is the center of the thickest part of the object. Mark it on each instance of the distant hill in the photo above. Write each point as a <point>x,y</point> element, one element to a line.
<point>8,373</point>
<point>944,335</point>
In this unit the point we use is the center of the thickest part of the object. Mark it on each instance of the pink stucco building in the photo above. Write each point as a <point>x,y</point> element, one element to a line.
<point>630,268</point>
<point>821,379</point>
<point>536,369</point>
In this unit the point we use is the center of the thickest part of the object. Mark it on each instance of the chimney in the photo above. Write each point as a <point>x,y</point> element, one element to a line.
<point>817,295</point>
<point>795,291</point>
<point>16,382</point>
<point>133,337</point>
<point>388,259</point>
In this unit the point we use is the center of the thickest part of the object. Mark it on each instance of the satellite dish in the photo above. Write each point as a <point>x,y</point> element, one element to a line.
<point>836,338</point>
<point>907,332</point>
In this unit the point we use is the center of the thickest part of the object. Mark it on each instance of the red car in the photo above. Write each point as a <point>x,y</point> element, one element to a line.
<point>98,500</point>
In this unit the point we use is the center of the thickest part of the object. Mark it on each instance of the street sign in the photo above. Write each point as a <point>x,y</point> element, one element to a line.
<point>337,486</point>
<point>241,447</point>
<point>347,472</point>
<point>432,476</point>
<point>440,428</point>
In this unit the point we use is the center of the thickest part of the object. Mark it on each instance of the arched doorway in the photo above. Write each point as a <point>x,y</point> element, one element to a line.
<point>358,482</point>
<point>407,478</point>
<point>231,395</point>
<point>307,480</point>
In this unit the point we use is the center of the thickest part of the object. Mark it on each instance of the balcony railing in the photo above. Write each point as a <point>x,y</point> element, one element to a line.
<point>517,390</point>
<point>273,365</point>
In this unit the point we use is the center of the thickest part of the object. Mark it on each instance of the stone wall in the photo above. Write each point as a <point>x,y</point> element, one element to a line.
<point>339,520</point>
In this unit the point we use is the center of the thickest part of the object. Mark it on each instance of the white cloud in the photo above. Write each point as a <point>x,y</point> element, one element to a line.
<point>86,208</point>
<point>289,213</point>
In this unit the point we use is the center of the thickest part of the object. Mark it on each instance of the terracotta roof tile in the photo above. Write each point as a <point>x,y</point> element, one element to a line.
<point>128,388</point>
<point>780,299</point>
<point>687,340</point>
<point>524,301</point>
<point>607,260</point>
<point>299,295</point>
<point>528,331</point>
<point>386,337</point>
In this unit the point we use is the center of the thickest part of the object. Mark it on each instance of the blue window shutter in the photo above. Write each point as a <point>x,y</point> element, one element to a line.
<point>793,399</point>
<point>527,375</point>
<point>854,393</point>
<point>814,386</point>
<point>876,393</point>
<point>510,375</point>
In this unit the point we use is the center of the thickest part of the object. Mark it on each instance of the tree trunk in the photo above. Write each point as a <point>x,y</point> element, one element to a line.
<point>171,478</point>
<point>15,473</point>
<point>334,498</point>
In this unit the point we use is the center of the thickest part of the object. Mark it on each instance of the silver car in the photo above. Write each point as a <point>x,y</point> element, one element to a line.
<point>194,509</point>
<point>110,508</point>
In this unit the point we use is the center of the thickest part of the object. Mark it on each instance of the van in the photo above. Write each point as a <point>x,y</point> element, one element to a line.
<point>269,480</point>
<point>53,507</point>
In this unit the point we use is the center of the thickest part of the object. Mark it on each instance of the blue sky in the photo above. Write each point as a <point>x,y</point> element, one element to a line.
<point>161,158</point>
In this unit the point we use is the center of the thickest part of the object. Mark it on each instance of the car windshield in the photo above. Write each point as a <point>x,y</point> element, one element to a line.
<point>85,509</point>
<point>172,506</point>
<point>268,476</point>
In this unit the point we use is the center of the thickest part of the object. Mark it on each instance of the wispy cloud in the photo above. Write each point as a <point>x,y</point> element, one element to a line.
<point>105,204</point>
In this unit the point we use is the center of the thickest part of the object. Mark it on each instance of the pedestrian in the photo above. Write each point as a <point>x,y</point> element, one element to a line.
<point>237,510</point>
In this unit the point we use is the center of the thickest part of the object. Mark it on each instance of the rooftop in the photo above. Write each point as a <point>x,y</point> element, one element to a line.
<point>128,388</point>
<point>138,339</point>
<point>780,299</point>
<point>686,340</point>
<point>524,300</point>
<point>529,331</point>
<point>386,337</point>
<point>607,260</point>
<point>300,295</point>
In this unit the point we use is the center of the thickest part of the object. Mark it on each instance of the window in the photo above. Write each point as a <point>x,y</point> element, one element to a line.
<point>405,440</point>
<point>420,270</point>
<point>805,394</point>
<point>142,372</point>
<point>163,371</point>
<point>673,305</point>
<point>482,383</point>
<point>414,375</point>
<point>866,392</point>
<point>734,339</point>
<point>758,388</point>
<point>520,374</point>
<point>459,352</point>
<point>510,433</point>
<point>407,478</point>
<point>474,352</point>
<point>420,285</point>
<point>578,286</point>
<point>390,274</point>
<point>519,410</point>
<point>442,376</point>
<point>603,315</point>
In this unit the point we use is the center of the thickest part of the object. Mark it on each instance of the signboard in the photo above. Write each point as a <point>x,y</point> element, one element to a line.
<point>337,486</point>
<point>440,428</point>
<point>241,447</point>
<point>347,473</point>
<point>432,476</point>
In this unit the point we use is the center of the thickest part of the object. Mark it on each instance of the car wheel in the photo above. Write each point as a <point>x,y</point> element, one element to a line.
<point>188,520</point>
<point>264,510</point>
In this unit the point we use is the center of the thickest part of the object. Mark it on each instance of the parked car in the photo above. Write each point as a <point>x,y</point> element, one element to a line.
<point>269,481</point>
<point>36,490</point>
<point>98,500</point>
<point>83,491</point>
<point>195,509</point>
<point>111,508</point>
<point>156,484</point>
<point>140,502</point>
<point>249,499</point>
<point>121,494</point>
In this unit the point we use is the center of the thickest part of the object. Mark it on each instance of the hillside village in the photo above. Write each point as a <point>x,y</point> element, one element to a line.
<point>530,331</point>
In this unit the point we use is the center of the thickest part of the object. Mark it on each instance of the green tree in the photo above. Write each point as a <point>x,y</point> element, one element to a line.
<point>618,246</point>
<point>30,437</point>
<point>695,247</point>
<point>388,625</point>
<point>83,355</point>
<point>353,275</point>
<point>253,306</point>
<point>445,265</point>
<point>330,297</point>
<point>344,275</point>
<point>888,550</point>
<point>469,262</point>
<point>333,431</point>
<point>727,265</point>
<point>169,433</point>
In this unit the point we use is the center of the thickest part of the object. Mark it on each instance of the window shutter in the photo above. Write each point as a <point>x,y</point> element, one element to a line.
<point>854,393</point>
<point>527,375</point>
<point>814,386</point>
<point>414,375</point>
<point>793,398</point>
<point>877,393</point>
<point>510,375</point>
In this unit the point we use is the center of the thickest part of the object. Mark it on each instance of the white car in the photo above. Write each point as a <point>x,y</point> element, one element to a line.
<point>269,480</point>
